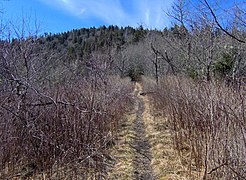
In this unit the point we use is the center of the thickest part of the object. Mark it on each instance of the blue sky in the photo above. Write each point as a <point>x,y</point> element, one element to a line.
<point>62,15</point>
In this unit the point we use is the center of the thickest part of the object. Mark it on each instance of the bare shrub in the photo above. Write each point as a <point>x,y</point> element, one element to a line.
<point>74,128</point>
<point>208,121</point>
<point>61,127</point>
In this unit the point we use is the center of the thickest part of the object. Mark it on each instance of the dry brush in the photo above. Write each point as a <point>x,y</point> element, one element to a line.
<point>207,120</point>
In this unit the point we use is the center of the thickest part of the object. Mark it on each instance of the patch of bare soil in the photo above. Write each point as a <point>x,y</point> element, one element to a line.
<point>132,151</point>
<point>166,163</point>
<point>140,144</point>
<point>144,149</point>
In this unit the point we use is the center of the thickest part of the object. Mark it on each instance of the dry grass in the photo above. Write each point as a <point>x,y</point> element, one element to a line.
<point>122,152</point>
<point>207,123</point>
<point>65,132</point>
<point>166,163</point>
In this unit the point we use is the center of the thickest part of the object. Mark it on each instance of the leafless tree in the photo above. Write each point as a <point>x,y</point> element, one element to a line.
<point>180,11</point>
<point>219,24</point>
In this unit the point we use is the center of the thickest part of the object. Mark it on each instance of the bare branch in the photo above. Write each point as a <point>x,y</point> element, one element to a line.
<point>218,24</point>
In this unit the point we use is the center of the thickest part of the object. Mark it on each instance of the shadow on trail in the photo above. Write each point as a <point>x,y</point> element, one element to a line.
<point>140,144</point>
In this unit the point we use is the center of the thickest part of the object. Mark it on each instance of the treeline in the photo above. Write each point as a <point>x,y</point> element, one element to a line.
<point>198,50</point>
<point>80,43</point>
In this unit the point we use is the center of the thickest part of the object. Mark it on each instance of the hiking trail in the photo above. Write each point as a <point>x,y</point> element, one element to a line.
<point>144,148</point>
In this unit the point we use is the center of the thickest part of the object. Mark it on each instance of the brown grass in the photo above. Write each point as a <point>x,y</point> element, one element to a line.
<point>166,163</point>
<point>63,132</point>
<point>123,152</point>
<point>207,123</point>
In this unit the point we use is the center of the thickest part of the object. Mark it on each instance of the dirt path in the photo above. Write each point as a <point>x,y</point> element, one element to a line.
<point>166,163</point>
<point>140,144</point>
<point>132,152</point>
<point>144,150</point>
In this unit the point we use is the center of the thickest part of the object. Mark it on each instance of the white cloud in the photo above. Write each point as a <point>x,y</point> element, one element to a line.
<point>147,17</point>
<point>81,11</point>
<point>149,13</point>
<point>65,1</point>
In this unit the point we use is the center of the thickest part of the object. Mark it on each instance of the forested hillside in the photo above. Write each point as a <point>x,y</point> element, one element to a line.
<point>94,103</point>
<point>202,52</point>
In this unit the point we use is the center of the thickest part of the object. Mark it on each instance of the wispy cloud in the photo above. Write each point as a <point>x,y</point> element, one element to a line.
<point>148,13</point>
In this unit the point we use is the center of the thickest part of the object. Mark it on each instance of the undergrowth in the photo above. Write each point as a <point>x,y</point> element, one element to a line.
<point>63,132</point>
<point>208,125</point>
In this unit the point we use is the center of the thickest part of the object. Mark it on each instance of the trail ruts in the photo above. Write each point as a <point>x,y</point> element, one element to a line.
<point>140,144</point>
